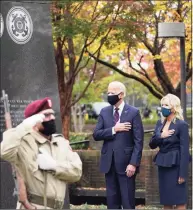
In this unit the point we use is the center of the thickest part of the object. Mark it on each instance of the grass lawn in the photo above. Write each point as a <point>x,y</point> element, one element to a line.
<point>86,206</point>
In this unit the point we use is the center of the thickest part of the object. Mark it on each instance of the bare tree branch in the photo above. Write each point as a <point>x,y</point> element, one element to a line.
<point>75,72</point>
<point>94,12</point>
<point>91,79</point>
<point>186,10</point>
<point>63,40</point>
<point>59,57</point>
<point>87,44</point>
<point>78,8</point>
<point>189,74</point>
<point>94,38</point>
<point>145,74</point>
<point>179,10</point>
<point>150,88</point>
<point>158,66</point>
<point>66,48</point>
<point>130,63</point>
<point>162,44</point>
<point>82,67</point>
<point>148,45</point>
<point>149,79</point>
<point>188,61</point>
<point>81,55</point>
<point>103,39</point>
<point>114,19</point>
<point>188,70</point>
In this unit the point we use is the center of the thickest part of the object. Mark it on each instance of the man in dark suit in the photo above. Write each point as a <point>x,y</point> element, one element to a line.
<point>121,129</point>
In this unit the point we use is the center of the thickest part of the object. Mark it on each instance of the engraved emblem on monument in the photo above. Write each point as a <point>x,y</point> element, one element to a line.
<point>2,25</point>
<point>19,25</point>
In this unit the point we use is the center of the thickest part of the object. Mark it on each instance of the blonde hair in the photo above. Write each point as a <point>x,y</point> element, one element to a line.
<point>174,103</point>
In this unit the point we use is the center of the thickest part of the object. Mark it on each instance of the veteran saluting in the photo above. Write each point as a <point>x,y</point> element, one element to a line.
<point>44,159</point>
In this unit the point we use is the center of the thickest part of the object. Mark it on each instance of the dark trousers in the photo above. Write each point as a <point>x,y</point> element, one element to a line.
<point>120,190</point>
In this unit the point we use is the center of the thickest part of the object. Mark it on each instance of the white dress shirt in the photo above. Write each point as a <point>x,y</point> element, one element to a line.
<point>121,106</point>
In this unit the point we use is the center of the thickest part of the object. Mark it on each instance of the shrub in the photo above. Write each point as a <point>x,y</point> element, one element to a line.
<point>78,137</point>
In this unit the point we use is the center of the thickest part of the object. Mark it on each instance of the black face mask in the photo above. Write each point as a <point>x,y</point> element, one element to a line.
<point>49,128</point>
<point>113,99</point>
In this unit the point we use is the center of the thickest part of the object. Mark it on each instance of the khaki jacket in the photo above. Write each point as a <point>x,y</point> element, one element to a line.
<point>21,147</point>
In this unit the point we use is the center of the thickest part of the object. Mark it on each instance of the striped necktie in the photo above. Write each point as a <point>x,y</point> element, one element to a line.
<point>116,115</point>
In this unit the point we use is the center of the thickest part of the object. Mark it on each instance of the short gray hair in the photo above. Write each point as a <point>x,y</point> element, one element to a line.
<point>120,85</point>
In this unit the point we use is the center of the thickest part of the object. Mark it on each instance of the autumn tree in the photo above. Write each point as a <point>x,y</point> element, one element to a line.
<point>109,32</point>
<point>151,61</point>
<point>77,25</point>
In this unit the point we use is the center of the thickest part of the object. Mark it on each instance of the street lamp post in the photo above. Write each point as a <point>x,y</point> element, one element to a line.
<point>177,30</point>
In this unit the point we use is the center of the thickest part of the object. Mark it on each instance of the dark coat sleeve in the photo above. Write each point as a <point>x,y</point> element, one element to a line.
<point>138,134</point>
<point>156,139</point>
<point>101,133</point>
<point>184,150</point>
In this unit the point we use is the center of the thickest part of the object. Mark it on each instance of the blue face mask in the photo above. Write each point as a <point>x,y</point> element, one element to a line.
<point>165,111</point>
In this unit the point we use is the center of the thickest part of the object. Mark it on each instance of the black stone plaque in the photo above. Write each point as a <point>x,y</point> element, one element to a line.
<point>28,70</point>
<point>16,111</point>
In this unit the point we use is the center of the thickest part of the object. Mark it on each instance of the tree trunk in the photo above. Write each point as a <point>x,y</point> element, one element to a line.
<point>65,101</point>
<point>74,118</point>
<point>162,76</point>
<point>66,124</point>
<point>178,93</point>
<point>65,88</point>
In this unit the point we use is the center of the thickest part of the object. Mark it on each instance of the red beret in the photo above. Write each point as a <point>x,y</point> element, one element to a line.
<point>37,106</point>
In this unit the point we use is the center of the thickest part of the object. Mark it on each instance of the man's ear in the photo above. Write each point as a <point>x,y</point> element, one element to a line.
<point>121,95</point>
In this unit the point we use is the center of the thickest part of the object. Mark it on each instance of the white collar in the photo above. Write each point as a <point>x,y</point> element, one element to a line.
<point>121,106</point>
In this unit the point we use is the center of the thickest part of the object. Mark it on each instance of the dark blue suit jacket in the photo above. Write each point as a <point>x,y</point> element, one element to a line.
<point>174,150</point>
<point>126,145</point>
